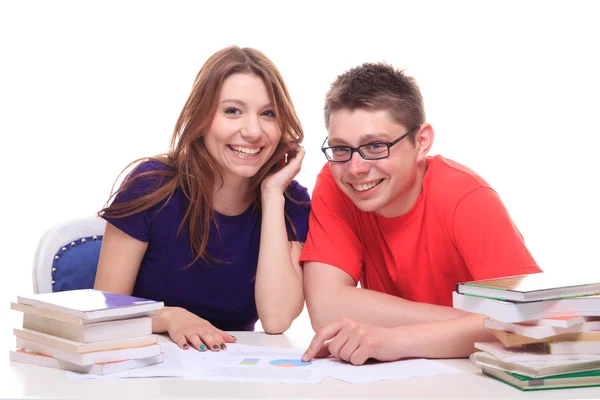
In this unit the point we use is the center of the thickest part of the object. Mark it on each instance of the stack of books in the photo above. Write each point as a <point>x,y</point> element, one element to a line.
<point>86,331</point>
<point>548,329</point>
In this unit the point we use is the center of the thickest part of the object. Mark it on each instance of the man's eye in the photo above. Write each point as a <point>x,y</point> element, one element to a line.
<point>232,111</point>
<point>339,150</point>
<point>375,149</point>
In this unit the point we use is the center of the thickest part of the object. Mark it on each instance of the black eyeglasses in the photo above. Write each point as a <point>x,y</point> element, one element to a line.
<point>369,151</point>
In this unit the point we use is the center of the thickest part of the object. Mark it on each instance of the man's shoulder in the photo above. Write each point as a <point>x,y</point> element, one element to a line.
<point>450,180</point>
<point>327,194</point>
<point>326,187</point>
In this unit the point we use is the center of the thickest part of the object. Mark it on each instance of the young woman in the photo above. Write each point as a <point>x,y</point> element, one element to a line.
<point>214,228</point>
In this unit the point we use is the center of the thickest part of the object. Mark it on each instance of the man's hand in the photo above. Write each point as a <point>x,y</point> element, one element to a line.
<point>354,342</point>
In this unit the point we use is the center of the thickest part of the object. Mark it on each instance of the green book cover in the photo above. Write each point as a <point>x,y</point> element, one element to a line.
<point>562,381</point>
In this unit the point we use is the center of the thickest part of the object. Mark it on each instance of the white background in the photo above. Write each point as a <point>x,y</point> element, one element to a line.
<point>511,87</point>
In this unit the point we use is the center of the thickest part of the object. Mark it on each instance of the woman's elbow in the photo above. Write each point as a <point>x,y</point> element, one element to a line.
<point>279,322</point>
<point>276,327</point>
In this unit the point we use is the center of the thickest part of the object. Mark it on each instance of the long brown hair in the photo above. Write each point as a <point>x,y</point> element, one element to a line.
<point>190,167</point>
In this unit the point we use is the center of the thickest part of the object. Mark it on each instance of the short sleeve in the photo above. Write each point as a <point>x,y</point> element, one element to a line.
<point>487,238</point>
<point>333,238</point>
<point>297,209</point>
<point>137,225</point>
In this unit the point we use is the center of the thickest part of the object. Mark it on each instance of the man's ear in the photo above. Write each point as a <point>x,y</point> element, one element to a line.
<point>424,140</point>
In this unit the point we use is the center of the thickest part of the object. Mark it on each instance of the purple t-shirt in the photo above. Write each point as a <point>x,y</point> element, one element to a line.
<point>222,293</point>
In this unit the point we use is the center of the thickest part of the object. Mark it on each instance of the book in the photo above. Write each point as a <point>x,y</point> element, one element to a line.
<point>92,305</point>
<point>529,353</point>
<point>573,347</point>
<point>514,339</point>
<point>525,383</point>
<point>92,332</point>
<point>540,331</point>
<point>534,368</point>
<point>27,357</point>
<point>94,357</point>
<point>531,287</point>
<point>507,311</point>
<point>561,322</point>
<point>78,347</point>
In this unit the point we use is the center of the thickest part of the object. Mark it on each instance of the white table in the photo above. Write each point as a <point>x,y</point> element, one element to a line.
<point>28,381</point>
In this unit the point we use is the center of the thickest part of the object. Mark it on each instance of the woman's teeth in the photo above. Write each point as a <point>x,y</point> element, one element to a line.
<point>245,151</point>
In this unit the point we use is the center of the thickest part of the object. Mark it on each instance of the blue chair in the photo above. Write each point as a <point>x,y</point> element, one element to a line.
<point>67,256</point>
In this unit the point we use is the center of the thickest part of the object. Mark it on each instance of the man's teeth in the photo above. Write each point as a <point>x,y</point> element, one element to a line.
<point>366,186</point>
<point>245,150</point>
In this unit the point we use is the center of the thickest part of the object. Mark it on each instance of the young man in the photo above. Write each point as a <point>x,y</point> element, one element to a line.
<point>407,226</point>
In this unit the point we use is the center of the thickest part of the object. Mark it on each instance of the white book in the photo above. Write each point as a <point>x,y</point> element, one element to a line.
<point>528,353</point>
<point>572,347</point>
<point>94,357</point>
<point>27,357</point>
<point>539,331</point>
<point>77,347</point>
<point>536,368</point>
<point>93,332</point>
<point>507,311</point>
<point>92,305</point>
<point>562,322</point>
<point>532,287</point>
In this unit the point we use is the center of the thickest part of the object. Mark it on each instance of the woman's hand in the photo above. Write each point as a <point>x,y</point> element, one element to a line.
<point>280,180</point>
<point>186,328</point>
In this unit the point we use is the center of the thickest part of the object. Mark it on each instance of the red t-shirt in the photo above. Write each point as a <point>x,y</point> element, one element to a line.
<point>458,230</point>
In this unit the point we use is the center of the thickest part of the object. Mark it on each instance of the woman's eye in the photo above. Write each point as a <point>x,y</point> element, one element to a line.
<point>269,113</point>
<point>232,111</point>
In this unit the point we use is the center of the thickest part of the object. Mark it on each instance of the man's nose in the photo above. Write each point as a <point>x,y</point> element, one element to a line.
<point>358,165</point>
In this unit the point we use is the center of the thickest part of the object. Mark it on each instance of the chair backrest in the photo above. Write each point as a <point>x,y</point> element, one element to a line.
<point>67,256</point>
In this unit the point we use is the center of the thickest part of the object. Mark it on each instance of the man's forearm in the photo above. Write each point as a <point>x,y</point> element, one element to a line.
<point>374,308</point>
<point>442,339</point>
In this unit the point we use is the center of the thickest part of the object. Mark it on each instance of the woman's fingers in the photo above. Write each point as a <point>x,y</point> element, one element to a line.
<point>180,340</point>
<point>212,341</point>
<point>229,338</point>
<point>195,341</point>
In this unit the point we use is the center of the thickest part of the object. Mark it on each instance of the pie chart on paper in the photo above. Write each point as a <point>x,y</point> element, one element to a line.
<point>289,363</point>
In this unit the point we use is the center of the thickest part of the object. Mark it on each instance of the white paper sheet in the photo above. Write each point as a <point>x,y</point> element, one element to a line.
<point>242,363</point>
<point>389,371</point>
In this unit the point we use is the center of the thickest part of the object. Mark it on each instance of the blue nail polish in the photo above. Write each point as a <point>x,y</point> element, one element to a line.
<point>202,347</point>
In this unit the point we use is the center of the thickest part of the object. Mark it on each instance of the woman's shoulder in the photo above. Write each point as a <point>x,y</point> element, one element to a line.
<point>297,192</point>
<point>145,177</point>
<point>151,165</point>
<point>151,171</point>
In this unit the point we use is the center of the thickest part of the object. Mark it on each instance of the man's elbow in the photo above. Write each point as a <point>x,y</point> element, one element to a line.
<point>319,316</point>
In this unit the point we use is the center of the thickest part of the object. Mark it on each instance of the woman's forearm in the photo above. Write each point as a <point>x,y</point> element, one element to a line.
<point>278,291</point>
